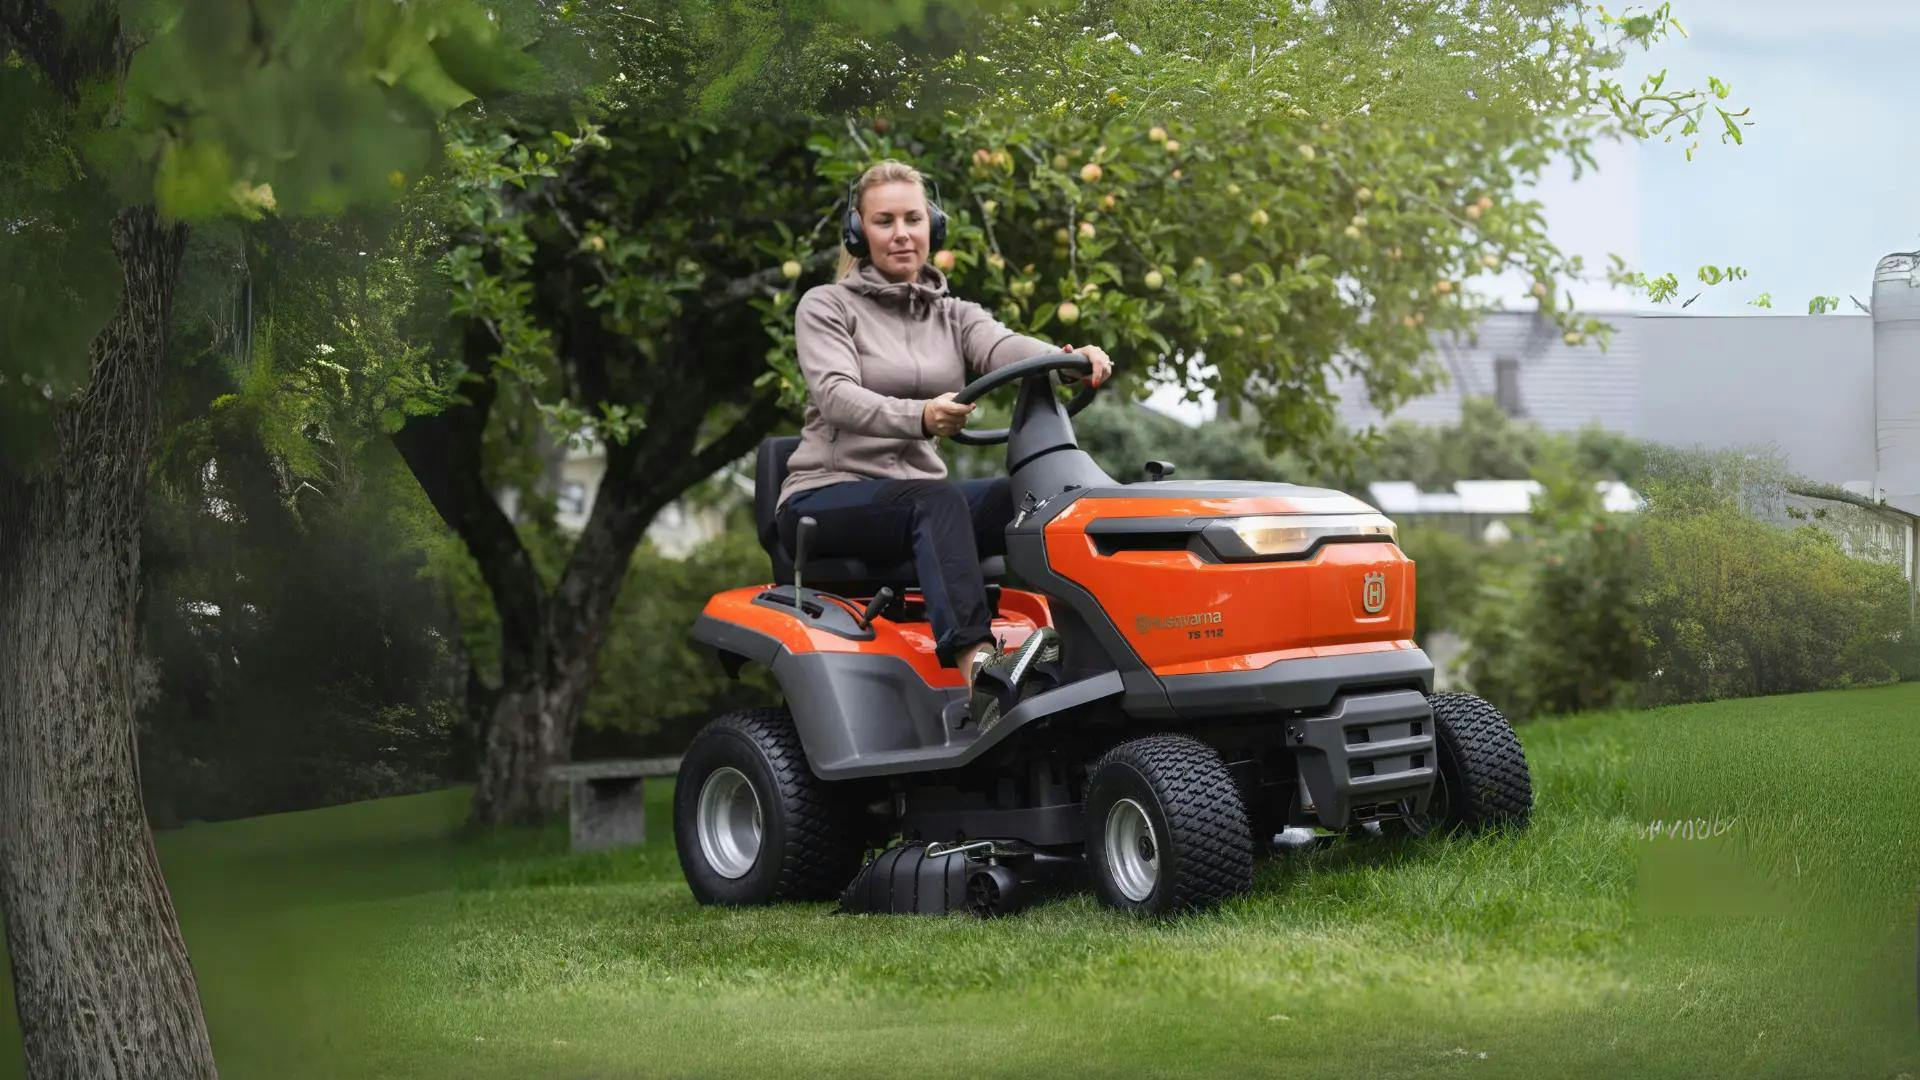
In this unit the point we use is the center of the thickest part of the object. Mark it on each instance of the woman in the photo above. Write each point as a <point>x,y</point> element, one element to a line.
<point>884,350</point>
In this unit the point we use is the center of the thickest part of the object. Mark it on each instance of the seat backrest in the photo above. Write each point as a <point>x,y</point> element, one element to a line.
<point>769,472</point>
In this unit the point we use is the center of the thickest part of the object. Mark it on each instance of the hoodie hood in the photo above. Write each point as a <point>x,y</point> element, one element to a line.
<point>916,297</point>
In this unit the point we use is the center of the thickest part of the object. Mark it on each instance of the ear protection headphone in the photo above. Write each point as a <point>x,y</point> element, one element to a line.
<point>854,236</point>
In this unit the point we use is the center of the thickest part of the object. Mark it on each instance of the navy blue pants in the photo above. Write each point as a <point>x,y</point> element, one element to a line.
<point>946,528</point>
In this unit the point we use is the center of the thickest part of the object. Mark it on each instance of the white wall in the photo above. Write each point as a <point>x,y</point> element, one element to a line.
<point>1802,384</point>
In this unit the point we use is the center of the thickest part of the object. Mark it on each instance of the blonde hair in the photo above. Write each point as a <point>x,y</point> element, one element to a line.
<point>886,172</point>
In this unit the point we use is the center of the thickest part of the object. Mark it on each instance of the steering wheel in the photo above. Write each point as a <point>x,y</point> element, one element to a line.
<point>1032,367</point>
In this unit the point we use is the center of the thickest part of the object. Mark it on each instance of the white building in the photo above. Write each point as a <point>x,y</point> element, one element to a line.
<point>1811,387</point>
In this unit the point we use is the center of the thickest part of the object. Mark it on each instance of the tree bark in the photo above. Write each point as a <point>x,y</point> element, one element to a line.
<point>101,977</point>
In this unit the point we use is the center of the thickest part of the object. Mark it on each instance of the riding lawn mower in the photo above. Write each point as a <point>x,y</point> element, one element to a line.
<point>1234,664</point>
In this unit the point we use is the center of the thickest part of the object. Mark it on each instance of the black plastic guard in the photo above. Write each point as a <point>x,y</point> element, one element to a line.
<point>903,881</point>
<point>1370,750</point>
<point>1001,880</point>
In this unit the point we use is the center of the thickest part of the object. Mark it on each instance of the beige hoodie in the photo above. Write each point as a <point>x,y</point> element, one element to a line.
<point>873,352</point>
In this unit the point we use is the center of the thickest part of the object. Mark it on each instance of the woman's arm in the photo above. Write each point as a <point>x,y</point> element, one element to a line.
<point>831,365</point>
<point>986,343</point>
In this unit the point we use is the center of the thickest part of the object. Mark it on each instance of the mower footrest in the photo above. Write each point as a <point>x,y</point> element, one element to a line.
<point>1366,755</point>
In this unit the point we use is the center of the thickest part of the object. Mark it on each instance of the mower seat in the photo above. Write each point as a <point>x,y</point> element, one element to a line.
<point>832,573</point>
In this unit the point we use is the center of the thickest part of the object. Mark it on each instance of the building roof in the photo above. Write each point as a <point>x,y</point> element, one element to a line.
<point>1561,387</point>
<point>1801,384</point>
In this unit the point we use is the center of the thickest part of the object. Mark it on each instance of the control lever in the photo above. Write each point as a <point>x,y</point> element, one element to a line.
<point>875,606</point>
<point>801,541</point>
<point>1159,470</point>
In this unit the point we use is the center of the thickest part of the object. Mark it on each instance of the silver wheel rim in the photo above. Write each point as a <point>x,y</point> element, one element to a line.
<point>1133,850</point>
<point>729,822</point>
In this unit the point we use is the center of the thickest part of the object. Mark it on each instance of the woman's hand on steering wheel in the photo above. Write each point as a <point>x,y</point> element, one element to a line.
<point>1102,367</point>
<point>943,416</point>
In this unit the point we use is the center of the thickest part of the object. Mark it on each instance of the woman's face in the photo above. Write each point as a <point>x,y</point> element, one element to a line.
<point>894,216</point>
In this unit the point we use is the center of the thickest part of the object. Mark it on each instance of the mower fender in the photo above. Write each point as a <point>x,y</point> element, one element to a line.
<point>872,714</point>
<point>738,642</point>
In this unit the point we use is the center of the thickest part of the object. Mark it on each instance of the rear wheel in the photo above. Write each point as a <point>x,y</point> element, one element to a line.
<point>1483,779</point>
<point>1166,831</point>
<point>752,824</point>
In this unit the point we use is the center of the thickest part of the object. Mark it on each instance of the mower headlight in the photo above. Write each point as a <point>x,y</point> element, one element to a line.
<point>1286,536</point>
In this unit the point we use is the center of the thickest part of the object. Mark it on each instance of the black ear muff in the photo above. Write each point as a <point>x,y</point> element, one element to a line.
<point>937,226</point>
<point>852,235</point>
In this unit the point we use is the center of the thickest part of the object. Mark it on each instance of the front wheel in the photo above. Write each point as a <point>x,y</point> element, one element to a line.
<point>751,822</point>
<point>1166,831</point>
<point>1483,779</point>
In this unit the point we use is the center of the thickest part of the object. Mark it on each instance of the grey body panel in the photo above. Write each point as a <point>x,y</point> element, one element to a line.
<point>849,706</point>
<point>874,716</point>
<point>861,714</point>
<point>965,745</point>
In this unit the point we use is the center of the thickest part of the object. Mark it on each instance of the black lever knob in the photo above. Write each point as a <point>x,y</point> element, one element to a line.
<point>1159,470</point>
<point>802,539</point>
<point>875,606</point>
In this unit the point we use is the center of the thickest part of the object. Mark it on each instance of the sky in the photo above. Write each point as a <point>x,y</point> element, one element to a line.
<point>1827,181</point>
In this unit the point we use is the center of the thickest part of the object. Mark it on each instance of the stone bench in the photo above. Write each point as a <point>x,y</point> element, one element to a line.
<point>608,807</point>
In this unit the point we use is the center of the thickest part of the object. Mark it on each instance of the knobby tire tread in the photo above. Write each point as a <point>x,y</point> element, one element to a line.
<point>1209,839</point>
<point>1496,787</point>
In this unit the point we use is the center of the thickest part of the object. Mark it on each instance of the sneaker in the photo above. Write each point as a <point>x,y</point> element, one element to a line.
<point>996,683</point>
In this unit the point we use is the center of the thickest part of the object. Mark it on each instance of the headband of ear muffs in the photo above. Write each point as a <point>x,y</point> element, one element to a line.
<point>855,237</point>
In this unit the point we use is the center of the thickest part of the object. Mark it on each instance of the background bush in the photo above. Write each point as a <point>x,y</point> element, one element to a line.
<point>1733,605</point>
<point>1711,592</point>
<point>1553,624</point>
<point>293,653</point>
<point>1449,571</point>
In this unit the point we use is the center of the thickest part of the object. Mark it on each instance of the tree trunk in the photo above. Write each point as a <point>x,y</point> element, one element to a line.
<point>530,725</point>
<point>550,640</point>
<point>101,976</point>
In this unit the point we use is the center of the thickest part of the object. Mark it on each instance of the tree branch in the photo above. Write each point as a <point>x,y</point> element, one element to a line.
<point>740,289</point>
<point>631,495</point>
<point>743,435</point>
<point>443,451</point>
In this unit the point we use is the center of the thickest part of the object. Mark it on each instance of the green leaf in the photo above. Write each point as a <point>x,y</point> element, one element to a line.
<point>410,62</point>
<point>195,180</point>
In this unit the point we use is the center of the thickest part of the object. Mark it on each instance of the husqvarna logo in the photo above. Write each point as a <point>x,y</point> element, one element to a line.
<point>1146,623</point>
<point>1373,592</point>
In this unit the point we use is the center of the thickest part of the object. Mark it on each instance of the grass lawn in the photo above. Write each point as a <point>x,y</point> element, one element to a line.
<point>370,940</point>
